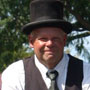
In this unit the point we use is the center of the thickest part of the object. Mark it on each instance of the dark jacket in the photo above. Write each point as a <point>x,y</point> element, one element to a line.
<point>34,81</point>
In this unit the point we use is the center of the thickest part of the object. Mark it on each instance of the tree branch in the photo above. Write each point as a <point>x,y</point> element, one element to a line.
<point>71,38</point>
<point>85,23</point>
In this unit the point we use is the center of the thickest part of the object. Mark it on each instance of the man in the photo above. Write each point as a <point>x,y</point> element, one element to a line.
<point>50,68</point>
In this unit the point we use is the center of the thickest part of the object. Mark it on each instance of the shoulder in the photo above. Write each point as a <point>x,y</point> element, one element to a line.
<point>13,76</point>
<point>86,69</point>
<point>75,60</point>
<point>86,74</point>
<point>28,59</point>
<point>13,69</point>
<point>86,64</point>
<point>14,66</point>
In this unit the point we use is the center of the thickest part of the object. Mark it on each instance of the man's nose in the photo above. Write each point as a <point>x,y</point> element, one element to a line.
<point>49,43</point>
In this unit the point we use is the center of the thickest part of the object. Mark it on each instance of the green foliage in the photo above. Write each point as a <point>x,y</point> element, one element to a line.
<point>15,13</point>
<point>78,12</point>
<point>78,40</point>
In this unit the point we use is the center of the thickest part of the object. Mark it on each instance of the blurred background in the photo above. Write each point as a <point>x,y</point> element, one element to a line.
<point>14,44</point>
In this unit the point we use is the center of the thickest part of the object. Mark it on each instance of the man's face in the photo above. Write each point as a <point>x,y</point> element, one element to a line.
<point>48,44</point>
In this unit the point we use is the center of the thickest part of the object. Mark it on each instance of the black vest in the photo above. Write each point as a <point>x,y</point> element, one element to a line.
<point>34,81</point>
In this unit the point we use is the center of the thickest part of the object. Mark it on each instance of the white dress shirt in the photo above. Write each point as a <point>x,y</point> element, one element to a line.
<point>60,68</point>
<point>13,78</point>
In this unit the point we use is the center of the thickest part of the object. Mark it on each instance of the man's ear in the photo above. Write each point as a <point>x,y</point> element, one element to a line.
<point>30,41</point>
<point>65,39</point>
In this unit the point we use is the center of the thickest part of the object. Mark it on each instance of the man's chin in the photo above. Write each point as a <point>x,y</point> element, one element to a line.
<point>49,57</point>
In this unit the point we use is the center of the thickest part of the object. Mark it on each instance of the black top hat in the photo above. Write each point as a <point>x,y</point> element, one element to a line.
<point>45,13</point>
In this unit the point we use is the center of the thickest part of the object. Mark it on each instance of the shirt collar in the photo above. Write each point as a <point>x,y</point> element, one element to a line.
<point>43,70</point>
<point>60,66</point>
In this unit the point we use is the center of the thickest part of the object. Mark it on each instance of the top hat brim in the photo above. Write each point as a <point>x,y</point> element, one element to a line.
<point>64,25</point>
